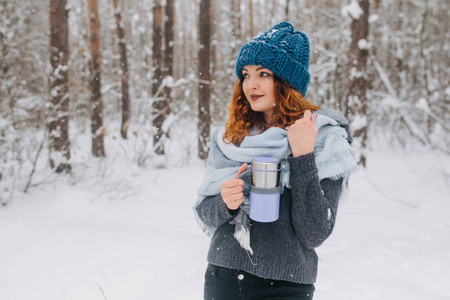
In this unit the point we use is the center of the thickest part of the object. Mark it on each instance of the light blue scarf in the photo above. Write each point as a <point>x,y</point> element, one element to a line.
<point>334,159</point>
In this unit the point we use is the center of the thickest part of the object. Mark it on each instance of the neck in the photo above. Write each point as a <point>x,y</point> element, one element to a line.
<point>268,118</point>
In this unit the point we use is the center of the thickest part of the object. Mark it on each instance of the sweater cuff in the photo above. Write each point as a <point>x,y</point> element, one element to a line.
<point>303,164</point>
<point>225,213</point>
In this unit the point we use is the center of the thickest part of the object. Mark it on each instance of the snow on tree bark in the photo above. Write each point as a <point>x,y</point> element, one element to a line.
<point>97,131</point>
<point>358,55</point>
<point>169,24</point>
<point>124,67</point>
<point>204,86</point>
<point>59,144</point>
<point>160,108</point>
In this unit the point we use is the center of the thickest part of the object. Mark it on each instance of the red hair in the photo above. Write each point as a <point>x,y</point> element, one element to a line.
<point>290,106</point>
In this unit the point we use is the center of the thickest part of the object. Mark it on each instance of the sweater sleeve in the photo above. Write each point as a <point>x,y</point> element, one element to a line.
<point>214,212</point>
<point>314,202</point>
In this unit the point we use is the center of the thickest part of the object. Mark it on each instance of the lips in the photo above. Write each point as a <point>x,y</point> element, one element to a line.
<point>255,97</point>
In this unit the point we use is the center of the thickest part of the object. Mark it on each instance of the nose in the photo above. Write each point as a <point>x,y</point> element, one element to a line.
<point>252,83</point>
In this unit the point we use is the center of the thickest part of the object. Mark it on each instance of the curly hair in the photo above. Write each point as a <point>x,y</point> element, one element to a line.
<point>290,106</point>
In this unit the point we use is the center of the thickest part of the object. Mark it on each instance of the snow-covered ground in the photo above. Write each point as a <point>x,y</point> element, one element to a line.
<point>137,239</point>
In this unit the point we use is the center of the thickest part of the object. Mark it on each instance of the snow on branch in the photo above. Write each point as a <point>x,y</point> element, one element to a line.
<point>363,44</point>
<point>352,10</point>
<point>383,76</point>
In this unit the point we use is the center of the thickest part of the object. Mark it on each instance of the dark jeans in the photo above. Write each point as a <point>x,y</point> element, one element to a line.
<point>226,284</point>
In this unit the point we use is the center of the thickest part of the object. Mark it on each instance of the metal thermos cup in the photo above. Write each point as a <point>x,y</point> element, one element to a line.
<point>265,172</point>
<point>265,189</point>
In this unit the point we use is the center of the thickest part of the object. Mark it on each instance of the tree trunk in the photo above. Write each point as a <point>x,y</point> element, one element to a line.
<point>98,148</point>
<point>274,12</point>
<point>250,19</point>
<point>168,53</point>
<point>286,11</point>
<point>204,91</point>
<point>213,68</point>
<point>236,30</point>
<point>124,66</point>
<point>357,99</point>
<point>238,20</point>
<point>59,144</point>
<point>169,26</point>
<point>159,104</point>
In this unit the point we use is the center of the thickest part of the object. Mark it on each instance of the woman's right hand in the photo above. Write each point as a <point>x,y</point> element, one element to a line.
<point>233,190</point>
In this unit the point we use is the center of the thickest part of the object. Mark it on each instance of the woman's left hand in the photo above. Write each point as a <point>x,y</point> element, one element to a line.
<point>302,134</point>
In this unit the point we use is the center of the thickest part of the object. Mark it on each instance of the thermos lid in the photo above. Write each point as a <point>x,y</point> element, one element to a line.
<point>266,164</point>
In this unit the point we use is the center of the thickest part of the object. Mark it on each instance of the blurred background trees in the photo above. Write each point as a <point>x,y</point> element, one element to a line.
<point>167,76</point>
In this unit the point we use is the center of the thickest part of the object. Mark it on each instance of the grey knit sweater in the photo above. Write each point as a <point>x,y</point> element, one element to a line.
<point>284,249</point>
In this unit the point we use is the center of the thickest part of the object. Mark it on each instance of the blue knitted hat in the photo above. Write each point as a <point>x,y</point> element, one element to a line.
<point>283,51</point>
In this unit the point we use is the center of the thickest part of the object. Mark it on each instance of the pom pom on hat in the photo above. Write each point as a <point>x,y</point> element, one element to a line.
<point>283,51</point>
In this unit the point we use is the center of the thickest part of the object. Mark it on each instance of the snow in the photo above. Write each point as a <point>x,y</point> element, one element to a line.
<point>68,241</point>
<point>354,73</point>
<point>373,18</point>
<point>423,105</point>
<point>363,44</point>
<point>359,122</point>
<point>353,10</point>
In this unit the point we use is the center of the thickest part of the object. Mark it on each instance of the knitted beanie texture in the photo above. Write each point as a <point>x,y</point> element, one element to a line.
<point>283,51</point>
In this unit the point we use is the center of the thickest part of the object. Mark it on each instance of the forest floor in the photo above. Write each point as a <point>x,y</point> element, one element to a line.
<point>137,239</point>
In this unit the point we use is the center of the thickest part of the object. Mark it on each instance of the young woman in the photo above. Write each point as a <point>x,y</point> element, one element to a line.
<point>269,116</point>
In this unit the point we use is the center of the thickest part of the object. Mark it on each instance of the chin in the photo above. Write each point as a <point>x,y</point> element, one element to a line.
<point>256,108</point>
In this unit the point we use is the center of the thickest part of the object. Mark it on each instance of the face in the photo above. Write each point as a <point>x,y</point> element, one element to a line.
<point>259,89</point>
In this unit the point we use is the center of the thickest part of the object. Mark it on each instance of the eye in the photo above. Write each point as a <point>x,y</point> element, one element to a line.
<point>265,74</point>
<point>246,75</point>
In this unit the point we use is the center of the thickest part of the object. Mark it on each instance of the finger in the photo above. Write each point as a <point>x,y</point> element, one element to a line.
<point>240,171</point>
<point>238,201</point>
<point>229,200</point>
<point>235,190</point>
<point>235,198</point>
<point>229,184</point>
<point>307,114</point>
<point>235,205</point>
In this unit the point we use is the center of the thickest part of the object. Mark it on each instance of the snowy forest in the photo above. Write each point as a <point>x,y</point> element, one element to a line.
<point>139,77</point>
<point>106,113</point>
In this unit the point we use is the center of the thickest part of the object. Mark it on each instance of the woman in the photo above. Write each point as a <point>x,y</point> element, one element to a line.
<point>268,116</point>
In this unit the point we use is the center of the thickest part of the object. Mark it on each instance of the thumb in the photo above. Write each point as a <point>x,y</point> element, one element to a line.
<point>313,119</point>
<point>241,170</point>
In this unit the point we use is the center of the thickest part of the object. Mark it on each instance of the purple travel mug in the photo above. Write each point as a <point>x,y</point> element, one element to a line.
<point>265,189</point>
